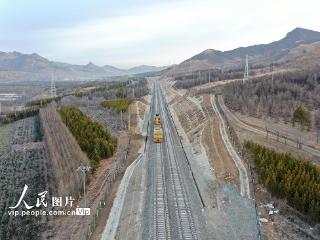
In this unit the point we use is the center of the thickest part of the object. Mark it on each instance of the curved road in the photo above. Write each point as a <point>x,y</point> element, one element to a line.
<point>243,175</point>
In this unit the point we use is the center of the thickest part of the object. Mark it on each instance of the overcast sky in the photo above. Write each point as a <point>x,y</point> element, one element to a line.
<point>153,32</point>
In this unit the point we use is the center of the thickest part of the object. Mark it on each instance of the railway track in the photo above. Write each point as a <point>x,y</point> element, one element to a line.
<point>171,199</point>
<point>184,222</point>
<point>161,227</point>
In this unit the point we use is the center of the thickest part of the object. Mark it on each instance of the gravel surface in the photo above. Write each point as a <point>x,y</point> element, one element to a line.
<point>227,214</point>
<point>118,205</point>
<point>243,175</point>
<point>126,220</point>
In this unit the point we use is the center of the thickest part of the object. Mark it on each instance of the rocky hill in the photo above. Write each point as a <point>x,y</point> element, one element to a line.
<point>299,44</point>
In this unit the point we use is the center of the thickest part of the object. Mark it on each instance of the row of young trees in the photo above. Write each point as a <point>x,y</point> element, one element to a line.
<point>93,139</point>
<point>290,178</point>
<point>42,102</point>
<point>277,97</point>
<point>17,115</point>
<point>32,109</point>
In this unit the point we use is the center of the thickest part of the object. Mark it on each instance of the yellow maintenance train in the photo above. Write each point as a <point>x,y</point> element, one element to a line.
<point>157,120</point>
<point>158,135</point>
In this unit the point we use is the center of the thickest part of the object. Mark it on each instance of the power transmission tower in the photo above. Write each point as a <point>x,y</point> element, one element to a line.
<point>246,70</point>
<point>190,69</point>
<point>53,89</point>
<point>173,71</point>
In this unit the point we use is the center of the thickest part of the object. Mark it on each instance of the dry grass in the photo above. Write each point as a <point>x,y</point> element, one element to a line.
<point>65,153</point>
<point>218,155</point>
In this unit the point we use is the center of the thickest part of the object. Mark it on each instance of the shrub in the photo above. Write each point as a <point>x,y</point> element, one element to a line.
<point>121,105</point>
<point>296,180</point>
<point>302,116</point>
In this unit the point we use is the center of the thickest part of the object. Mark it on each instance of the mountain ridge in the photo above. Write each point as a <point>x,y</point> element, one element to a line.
<point>16,66</point>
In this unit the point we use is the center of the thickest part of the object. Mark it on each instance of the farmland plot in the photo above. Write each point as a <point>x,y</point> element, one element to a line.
<point>6,132</point>
<point>26,130</point>
<point>19,132</point>
<point>28,166</point>
<point>80,101</point>
<point>26,162</point>
<point>108,118</point>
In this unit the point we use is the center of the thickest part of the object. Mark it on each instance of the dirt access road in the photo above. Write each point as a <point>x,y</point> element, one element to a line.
<point>290,144</point>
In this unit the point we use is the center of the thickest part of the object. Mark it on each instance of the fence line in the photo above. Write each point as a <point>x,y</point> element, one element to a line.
<point>114,172</point>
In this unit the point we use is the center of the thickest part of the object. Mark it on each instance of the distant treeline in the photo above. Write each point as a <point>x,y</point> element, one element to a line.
<point>97,90</point>
<point>204,76</point>
<point>290,178</point>
<point>195,78</point>
<point>278,97</point>
<point>133,88</point>
<point>93,139</point>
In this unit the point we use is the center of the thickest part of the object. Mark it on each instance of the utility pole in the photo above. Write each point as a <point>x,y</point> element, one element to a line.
<point>209,77</point>
<point>121,119</point>
<point>84,169</point>
<point>190,69</point>
<point>246,70</point>
<point>53,89</point>
<point>173,71</point>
